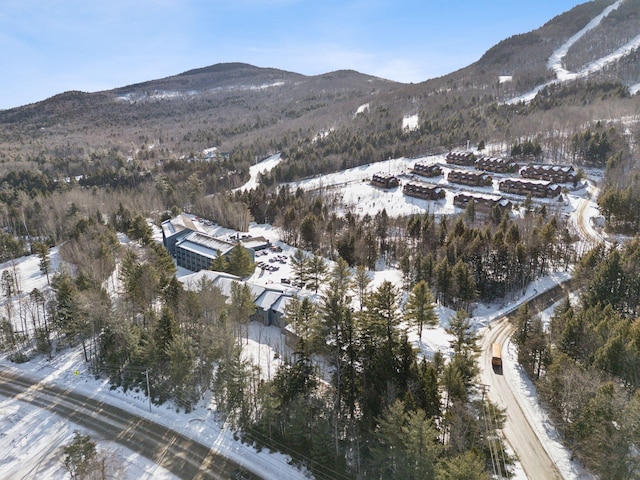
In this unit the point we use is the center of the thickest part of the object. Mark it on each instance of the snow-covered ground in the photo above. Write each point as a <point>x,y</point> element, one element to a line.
<point>32,440</point>
<point>410,122</point>
<point>259,168</point>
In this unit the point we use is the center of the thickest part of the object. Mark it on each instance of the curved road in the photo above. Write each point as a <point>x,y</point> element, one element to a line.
<point>582,220</point>
<point>182,456</point>
<point>519,433</point>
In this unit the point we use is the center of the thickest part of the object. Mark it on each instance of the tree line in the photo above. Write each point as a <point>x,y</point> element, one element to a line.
<point>585,362</point>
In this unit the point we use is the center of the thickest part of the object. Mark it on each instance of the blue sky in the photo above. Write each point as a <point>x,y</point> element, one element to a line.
<point>51,46</point>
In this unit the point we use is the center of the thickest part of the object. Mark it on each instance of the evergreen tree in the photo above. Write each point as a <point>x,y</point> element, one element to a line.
<point>219,263</point>
<point>164,332</point>
<point>139,229</point>
<point>420,309</point>
<point>180,353</point>
<point>382,313</point>
<point>242,306</point>
<point>443,280</point>
<point>67,311</point>
<point>42,250</point>
<point>240,262</point>
<point>464,287</point>
<point>464,346</point>
<point>317,271</point>
<point>361,281</point>
<point>309,231</point>
<point>339,339</point>
<point>468,466</point>
<point>79,456</point>
<point>405,445</point>
<point>299,264</point>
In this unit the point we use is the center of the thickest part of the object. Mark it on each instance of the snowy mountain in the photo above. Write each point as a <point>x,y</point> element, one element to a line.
<point>225,105</point>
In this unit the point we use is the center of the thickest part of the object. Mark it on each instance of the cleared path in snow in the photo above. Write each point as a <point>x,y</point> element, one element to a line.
<point>562,74</point>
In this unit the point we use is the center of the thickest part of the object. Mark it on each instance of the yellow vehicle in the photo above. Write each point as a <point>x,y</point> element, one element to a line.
<point>496,355</point>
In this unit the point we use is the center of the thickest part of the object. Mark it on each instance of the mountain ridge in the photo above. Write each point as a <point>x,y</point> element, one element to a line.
<point>229,104</point>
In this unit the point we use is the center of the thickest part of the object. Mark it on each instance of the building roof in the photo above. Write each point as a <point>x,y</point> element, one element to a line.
<point>268,299</point>
<point>547,167</point>
<point>255,242</point>
<point>480,196</point>
<point>527,181</point>
<point>193,281</point>
<point>178,224</point>
<point>205,245</point>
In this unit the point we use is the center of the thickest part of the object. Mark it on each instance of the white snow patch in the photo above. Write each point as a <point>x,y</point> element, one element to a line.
<point>209,152</point>
<point>267,85</point>
<point>410,123</point>
<point>505,78</point>
<point>362,109</point>
<point>258,169</point>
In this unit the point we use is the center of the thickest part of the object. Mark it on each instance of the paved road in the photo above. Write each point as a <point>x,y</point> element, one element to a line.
<point>177,453</point>
<point>535,461</point>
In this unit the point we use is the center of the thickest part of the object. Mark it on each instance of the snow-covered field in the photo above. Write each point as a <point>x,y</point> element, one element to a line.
<point>31,440</point>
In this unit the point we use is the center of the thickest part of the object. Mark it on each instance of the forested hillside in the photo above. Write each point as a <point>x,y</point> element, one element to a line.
<point>94,175</point>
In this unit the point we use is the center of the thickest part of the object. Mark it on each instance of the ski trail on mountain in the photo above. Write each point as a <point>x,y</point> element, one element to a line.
<point>555,60</point>
<point>562,74</point>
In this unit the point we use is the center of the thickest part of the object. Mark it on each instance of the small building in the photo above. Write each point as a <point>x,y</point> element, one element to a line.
<point>497,165</point>
<point>461,158</point>
<point>483,203</point>
<point>427,169</point>
<point>423,191</point>
<point>535,188</point>
<point>270,302</point>
<point>255,243</point>
<point>385,180</point>
<point>471,178</point>
<point>552,173</point>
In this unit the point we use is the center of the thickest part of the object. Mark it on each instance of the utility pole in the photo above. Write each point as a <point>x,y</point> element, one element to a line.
<point>146,372</point>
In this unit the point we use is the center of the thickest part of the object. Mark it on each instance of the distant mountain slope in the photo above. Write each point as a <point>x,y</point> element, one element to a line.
<point>229,104</point>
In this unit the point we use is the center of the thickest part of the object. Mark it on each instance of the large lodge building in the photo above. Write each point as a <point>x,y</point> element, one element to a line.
<point>537,188</point>
<point>475,179</point>
<point>423,191</point>
<point>427,169</point>
<point>385,180</point>
<point>552,173</point>
<point>483,203</point>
